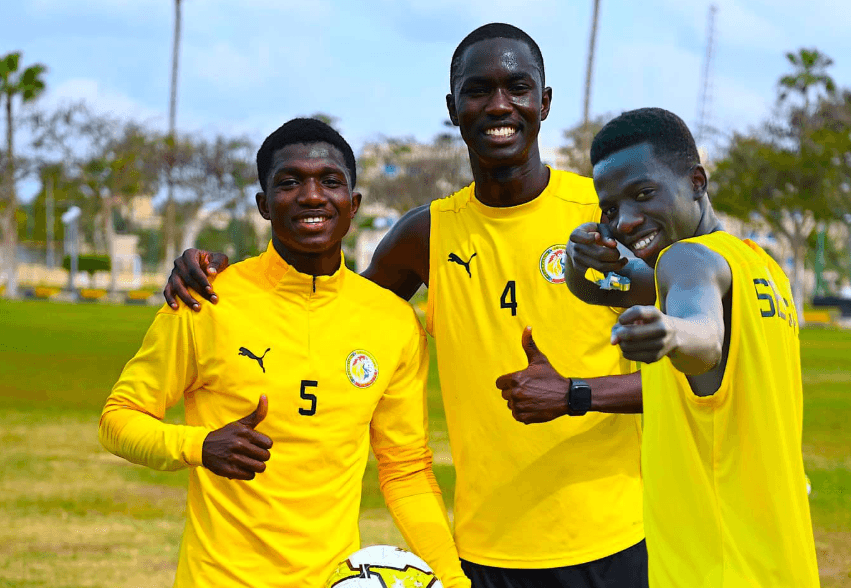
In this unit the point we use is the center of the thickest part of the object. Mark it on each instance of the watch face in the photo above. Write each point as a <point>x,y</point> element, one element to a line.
<point>580,396</point>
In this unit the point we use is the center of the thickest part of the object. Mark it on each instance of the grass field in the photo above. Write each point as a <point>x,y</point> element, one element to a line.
<point>78,516</point>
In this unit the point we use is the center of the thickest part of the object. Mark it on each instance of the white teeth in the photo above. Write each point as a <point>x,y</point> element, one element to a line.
<point>312,220</point>
<point>501,132</point>
<point>645,241</point>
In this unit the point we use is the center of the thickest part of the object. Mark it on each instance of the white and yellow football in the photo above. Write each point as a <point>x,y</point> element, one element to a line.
<point>383,566</point>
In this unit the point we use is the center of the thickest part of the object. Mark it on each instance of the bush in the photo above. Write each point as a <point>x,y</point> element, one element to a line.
<point>89,263</point>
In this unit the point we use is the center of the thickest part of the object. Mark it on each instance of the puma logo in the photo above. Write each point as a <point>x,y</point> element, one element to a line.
<point>455,259</point>
<point>247,353</point>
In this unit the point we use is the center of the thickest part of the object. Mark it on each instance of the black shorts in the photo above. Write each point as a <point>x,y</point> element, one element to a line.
<point>624,569</point>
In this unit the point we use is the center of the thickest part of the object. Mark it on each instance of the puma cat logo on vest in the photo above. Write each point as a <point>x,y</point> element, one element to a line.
<point>247,353</point>
<point>455,259</point>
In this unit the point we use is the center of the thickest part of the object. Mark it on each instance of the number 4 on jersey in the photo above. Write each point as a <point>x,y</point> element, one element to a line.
<point>509,298</point>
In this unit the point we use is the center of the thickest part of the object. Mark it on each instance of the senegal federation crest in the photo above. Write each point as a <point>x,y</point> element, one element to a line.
<point>552,264</point>
<point>361,368</point>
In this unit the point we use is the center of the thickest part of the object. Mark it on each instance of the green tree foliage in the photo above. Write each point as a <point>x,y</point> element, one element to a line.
<point>403,173</point>
<point>26,85</point>
<point>783,173</point>
<point>577,149</point>
<point>109,160</point>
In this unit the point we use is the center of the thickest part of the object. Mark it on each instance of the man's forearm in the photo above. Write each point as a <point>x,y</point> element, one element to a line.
<point>414,500</point>
<point>142,439</point>
<point>616,394</point>
<point>642,286</point>
<point>585,290</point>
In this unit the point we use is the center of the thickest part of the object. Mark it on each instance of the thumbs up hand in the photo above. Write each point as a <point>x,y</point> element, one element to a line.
<point>237,451</point>
<point>537,394</point>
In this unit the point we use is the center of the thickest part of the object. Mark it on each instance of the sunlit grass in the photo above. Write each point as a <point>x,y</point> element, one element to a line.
<point>74,515</point>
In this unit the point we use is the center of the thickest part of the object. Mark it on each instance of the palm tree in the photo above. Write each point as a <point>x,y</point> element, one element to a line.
<point>170,210</point>
<point>810,73</point>
<point>808,80</point>
<point>29,84</point>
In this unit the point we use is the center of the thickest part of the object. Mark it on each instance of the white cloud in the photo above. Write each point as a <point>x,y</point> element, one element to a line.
<point>101,99</point>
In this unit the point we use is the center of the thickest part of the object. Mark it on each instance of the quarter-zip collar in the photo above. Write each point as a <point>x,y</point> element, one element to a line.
<point>285,279</point>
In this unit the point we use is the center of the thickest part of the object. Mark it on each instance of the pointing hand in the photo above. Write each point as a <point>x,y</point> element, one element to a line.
<point>237,451</point>
<point>644,334</point>
<point>591,245</point>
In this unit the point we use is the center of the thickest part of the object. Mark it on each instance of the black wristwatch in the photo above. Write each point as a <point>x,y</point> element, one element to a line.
<point>579,397</point>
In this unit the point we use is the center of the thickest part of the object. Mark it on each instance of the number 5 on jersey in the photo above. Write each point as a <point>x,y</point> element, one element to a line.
<point>305,384</point>
<point>509,298</point>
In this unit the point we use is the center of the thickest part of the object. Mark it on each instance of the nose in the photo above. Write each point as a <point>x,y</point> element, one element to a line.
<point>499,103</point>
<point>312,193</point>
<point>628,219</point>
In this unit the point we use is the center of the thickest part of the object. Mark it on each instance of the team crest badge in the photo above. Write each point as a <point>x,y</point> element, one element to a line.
<point>552,264</point>
<point>361,368</point>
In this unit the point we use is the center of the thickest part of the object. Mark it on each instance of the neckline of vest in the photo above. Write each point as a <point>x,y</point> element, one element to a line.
<point>507,212</point>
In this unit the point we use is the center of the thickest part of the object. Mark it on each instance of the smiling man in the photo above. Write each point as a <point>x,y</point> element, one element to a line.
<point>555,504</point>
<point>725,501</point>
<point>274,496</point>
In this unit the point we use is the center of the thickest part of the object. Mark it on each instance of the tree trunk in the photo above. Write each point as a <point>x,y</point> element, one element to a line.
<point>170,208</point>
<point>798,241</point>
<point>592,42</point>
<point>109,237</point>
<point>9,220</point>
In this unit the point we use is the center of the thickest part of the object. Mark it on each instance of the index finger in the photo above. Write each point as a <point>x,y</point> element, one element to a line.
<point>638,315</point>
<point>193,274</point>
<point>505,381</point>
<point>584,233</point>
<point>606,236</point>
<point>259,439</point>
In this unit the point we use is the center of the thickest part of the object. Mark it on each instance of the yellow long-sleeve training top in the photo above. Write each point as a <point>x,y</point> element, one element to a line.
<point>343,363</point>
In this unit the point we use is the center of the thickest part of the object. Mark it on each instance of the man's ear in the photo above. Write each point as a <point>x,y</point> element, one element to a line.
<point>450,106</point>
<point>356,198</point>
<point>262,205</point>
<point>699,181</point>
<point>546,100</point>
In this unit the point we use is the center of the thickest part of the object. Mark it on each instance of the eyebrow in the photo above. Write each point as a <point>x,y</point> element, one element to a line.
<point>325,171</point>
<point>291,169</point>
<point>515,77</point>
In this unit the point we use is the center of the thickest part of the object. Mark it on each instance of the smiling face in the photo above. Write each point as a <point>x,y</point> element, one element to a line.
<point>498,101</point>
<point>649,206</point>
<point>310,205</point>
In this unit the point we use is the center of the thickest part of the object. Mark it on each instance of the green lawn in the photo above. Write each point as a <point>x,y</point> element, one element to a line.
<point>74,515</point>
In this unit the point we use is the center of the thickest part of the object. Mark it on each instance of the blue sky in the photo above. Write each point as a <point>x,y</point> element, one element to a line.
<point>382,66</point>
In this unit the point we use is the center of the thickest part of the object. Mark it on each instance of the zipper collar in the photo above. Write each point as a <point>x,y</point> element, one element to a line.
<point>285,279</point>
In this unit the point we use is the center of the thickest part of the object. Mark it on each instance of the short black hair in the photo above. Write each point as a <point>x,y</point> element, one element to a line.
<point>305,131</point>
<point>494,30</point>
<point>669,136</point>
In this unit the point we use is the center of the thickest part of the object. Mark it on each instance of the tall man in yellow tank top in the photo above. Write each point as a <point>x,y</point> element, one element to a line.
<point>725,503</point>
<point>557,504</point>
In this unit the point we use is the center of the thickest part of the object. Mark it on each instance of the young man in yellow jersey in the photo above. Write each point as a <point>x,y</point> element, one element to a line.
<point>725,502</point>
<point>551,505</point>
<point>333,364</point>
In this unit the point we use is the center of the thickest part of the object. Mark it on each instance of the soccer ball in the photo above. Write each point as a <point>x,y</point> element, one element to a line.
<point>383,566</point>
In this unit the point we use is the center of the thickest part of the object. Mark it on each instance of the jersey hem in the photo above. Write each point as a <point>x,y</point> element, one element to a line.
<point>555,561</point>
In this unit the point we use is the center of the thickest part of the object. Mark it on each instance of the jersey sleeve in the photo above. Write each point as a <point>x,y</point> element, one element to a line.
<point>154,380</point>
<point>399,438</point>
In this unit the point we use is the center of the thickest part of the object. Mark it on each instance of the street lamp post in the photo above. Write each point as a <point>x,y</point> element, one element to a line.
<point>71,220</point>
